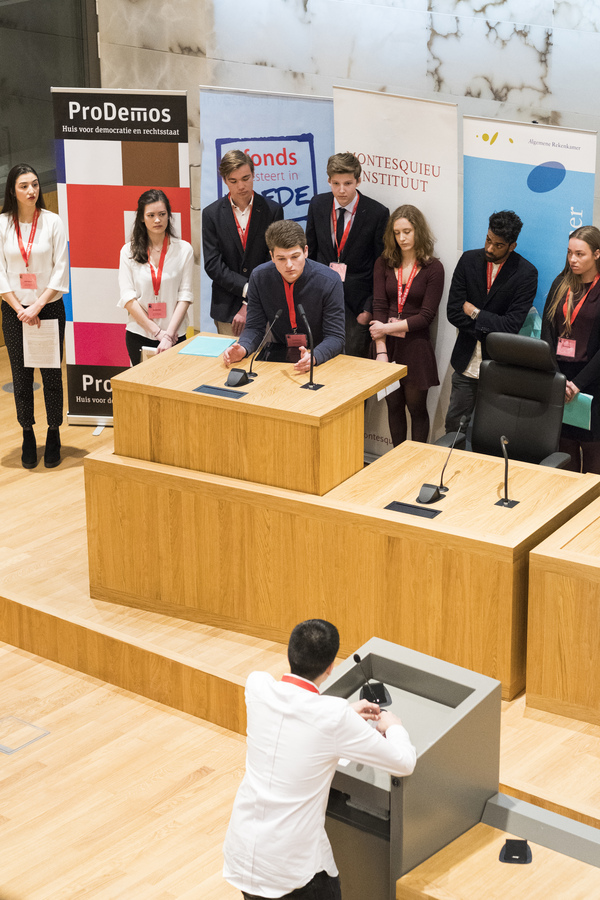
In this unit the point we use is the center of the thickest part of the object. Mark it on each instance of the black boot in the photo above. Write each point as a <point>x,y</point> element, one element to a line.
<point>52,450</point>
<point>29,450</point>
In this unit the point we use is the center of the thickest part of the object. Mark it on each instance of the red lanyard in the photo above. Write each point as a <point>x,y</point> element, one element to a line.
<point>300,682</point>
<point>580,304</point>
<point>340,247</point>
<point>243,232</point>
<point>490,280</point>
<point>289,296</point>
<point>403,294</point>
<point>157,278</point>
<point>26,253</point>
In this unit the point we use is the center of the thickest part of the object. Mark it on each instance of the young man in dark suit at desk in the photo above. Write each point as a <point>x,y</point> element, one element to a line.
<point>233,240</point>
<point>492,290</point>
<point>344,230</point>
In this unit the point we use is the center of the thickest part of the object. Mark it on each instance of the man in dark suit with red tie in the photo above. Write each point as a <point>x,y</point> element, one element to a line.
<point>492,290</point>
<point>344,230</point>
<point>233,240</point>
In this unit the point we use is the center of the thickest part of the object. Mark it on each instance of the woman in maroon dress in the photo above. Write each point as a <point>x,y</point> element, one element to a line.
<point>571,325</point>
<point>407,288</point>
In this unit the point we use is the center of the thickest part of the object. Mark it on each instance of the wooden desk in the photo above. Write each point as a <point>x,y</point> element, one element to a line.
<point>276,434</point>
<point>263,558</point>
<point>564,620</point>
<point>469,869</point>
<point>459,589</point>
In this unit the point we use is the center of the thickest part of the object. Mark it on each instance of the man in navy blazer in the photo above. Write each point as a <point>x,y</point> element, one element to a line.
<point>345,232</point>
<point>233,240</point>
<point>492,290</point>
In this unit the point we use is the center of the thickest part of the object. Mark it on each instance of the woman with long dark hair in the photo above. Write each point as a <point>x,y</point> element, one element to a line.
<point>155,278</point>
<point>408,282</point>
<point>34,274</point>
<point>571,325</point>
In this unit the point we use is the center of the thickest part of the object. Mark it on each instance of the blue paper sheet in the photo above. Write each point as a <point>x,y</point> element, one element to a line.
<point>207,346</point>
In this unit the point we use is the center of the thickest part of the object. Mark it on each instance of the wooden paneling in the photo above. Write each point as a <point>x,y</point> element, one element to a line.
<point>268,558</point>
<point>277,434</point>
<point>564,620</point>
<point>468,869</point>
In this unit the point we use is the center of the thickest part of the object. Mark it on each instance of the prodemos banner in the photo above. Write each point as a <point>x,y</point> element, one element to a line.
<point>289,138</point>
<point>408,151</point>
<point>545,174</point>
<point>111,146</point>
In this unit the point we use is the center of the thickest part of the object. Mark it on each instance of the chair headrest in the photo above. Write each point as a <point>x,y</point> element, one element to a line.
<point>518,350</point>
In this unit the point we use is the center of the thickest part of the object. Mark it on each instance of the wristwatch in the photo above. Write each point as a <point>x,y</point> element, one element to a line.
<point>475,313</point>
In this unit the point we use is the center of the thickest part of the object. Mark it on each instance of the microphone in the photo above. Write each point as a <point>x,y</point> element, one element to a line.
<point>431,493</point>
<point>378,692</point>
<point>267,334</point>
<point>505,501</point>
<point>311,386</point>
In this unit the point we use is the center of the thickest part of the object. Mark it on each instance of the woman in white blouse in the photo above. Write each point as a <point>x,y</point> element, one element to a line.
<point>34,274</point>
<point>155,278</point>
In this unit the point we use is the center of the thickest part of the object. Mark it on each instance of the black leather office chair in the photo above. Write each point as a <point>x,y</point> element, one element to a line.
<point>521,396</point>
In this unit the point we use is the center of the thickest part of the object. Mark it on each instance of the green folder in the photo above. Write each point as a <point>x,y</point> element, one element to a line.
<point>579,411</point>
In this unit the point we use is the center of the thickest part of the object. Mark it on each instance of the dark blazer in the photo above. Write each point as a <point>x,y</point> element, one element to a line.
<point>363,247</point>
<point>587,379</point>
<point>505,308</point>
<point>225,260</point>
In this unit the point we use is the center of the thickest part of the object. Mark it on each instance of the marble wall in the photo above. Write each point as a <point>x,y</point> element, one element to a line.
<point>525,60</point>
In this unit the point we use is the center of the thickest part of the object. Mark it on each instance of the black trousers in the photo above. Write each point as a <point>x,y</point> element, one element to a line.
<point>22,377</point>
<point>321,887</point>
<point>134,343</point>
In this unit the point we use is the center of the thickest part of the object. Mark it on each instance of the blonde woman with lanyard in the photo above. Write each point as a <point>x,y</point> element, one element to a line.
<point>155,279</point>
<point>34,274</point>
<point>407,288</point>
<point>571,325</point>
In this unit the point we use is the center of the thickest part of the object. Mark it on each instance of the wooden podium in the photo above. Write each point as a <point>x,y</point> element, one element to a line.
<point>258,560</point>
<point>276,433</point>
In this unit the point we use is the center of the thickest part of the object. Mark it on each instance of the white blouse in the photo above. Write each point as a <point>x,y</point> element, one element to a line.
<point>135,283</point>
<point>48,261</point>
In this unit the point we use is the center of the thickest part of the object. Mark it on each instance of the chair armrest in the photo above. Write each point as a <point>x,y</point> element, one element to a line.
<point>446,440</point>
<point>556,460</point>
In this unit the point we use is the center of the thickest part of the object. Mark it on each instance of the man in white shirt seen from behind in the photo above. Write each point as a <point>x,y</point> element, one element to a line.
<point>276,845</point>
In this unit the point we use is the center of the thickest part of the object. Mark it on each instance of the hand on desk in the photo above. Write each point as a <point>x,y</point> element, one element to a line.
<point>386,720</point>
<point>303,364</point>
<point>233,354</point>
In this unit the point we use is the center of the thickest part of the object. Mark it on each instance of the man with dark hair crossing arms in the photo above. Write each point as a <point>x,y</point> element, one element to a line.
<point>276,845</point>
<point>492,290</point>
<point>345,229</point>
<point>233,240</point>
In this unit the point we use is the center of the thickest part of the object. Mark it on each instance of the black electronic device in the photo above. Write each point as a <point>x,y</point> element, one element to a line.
<point>515,851</point>
<point>266,337</point>
<point>431,493</point>
<point>374,692</point>
<point>509,504</point>
<point>311,386</point>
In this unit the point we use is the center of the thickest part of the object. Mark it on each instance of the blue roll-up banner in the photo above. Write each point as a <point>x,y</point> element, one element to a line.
<point>289,137</point>
<point>545,174</point>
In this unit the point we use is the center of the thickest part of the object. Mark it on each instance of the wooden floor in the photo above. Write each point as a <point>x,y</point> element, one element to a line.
<point>124,799</point>
<point>45,608</point>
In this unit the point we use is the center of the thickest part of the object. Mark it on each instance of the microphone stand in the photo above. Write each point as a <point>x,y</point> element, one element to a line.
<point>510,504</point>
<point>431,493</point>
<point>311,386</point>
<point>266,337</point>
<point>378,691</point>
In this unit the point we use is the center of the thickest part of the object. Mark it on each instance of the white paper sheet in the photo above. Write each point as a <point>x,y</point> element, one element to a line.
<point>40,345</point>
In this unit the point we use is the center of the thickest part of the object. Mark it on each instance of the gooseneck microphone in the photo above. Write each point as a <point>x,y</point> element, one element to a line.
<point>378,693</point>
<point>431,493</point>
<point>266,337</point>
<point>505,501</point>
<point>311,386</point>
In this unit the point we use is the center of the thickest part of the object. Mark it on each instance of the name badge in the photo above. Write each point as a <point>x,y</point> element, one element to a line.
<point>566,348</point>
<point>296,340</point>
<point>157,310</point>
<point>28,281</point>
<point>340,268</point>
